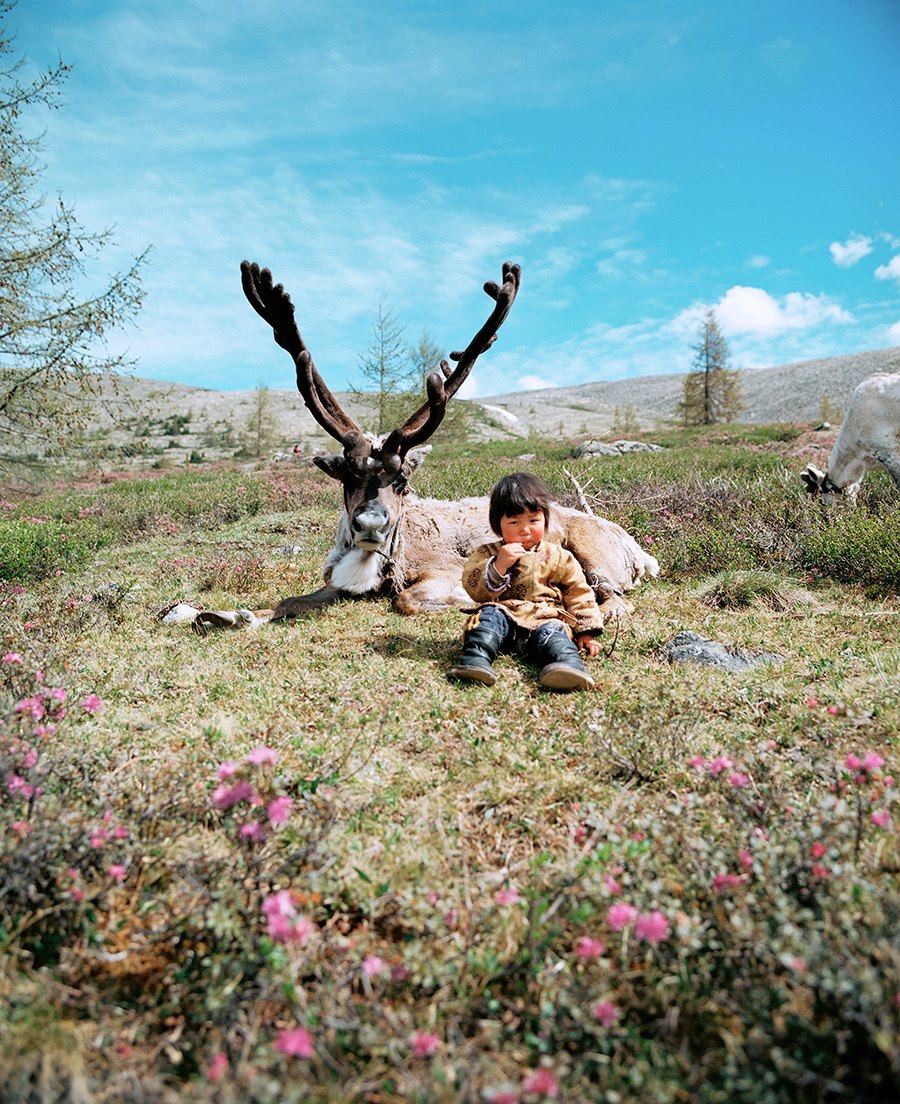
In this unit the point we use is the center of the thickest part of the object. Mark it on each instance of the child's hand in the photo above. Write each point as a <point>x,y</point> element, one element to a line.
<point>590,645</point>
<point>508,555</point>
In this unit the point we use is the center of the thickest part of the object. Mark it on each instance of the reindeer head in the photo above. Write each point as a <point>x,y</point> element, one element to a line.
<point>817,482</point>
<point>374,471</point>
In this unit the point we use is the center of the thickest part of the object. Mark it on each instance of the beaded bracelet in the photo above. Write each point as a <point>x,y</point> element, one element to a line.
<point>487,577</point>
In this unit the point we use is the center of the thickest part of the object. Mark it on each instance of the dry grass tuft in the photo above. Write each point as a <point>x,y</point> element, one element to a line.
<point>737,590</point>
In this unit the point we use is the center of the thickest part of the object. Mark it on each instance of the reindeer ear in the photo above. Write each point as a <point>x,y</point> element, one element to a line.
<point>335,466</point>
<point>812,479</point>
<point>414,459</point>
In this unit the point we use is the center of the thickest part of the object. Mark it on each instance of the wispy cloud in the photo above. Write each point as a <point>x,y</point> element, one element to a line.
<point>848,253</point>
<point>890,271</point>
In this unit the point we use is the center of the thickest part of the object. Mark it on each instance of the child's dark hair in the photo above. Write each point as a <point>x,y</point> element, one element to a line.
<point>519,493</point>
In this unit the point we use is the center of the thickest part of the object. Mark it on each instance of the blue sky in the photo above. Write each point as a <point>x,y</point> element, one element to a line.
<point>642,161</point>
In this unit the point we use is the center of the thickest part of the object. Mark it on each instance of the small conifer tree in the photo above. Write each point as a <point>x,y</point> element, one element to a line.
<point>711,391</point>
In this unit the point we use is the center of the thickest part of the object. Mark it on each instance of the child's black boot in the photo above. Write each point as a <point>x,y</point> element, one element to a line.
<point>561,665</point>
<point>480,646</point>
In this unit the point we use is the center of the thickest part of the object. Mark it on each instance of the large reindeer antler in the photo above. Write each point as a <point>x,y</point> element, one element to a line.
<point>273,304</point>
<point>422,424</point>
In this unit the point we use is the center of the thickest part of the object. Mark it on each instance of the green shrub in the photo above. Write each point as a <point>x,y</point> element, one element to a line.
<point>33,548</point>
<point>853,546</point>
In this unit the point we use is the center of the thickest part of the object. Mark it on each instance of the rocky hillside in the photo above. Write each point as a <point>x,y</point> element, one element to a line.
<point>173,423</point>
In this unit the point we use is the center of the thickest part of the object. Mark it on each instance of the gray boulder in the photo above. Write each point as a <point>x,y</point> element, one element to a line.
<point>691,647</point>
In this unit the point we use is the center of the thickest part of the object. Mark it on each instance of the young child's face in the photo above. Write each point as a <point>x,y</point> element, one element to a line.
<point>526,529</point>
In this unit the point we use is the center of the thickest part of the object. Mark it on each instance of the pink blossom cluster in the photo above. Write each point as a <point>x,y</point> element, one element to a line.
<point>731,881</point>
<point>295,1042</point>
<point>652,927</point>
<point>423,1044</point>
<point>283,924</point>
<point>236,790</point>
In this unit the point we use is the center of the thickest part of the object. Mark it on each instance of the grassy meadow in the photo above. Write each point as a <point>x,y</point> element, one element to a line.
<point>299,864</point>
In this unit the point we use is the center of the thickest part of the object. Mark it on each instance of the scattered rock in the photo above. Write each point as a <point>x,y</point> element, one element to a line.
<point>690,647</point>
<point>614,448</point>
<point>526,457</point>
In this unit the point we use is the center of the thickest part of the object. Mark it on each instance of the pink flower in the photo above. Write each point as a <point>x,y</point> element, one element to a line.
<point>611,884</point>
<point>698,762</point>
<point>120,832</point>
<point>21,826</point>
<point>812,703</point>
<point>254,831</point>
<point>279,811</point>
<point>58,693</point>
<point>32,706</point>
<point>651,926</point>
<point>722,880</point>
<point>881,818</point>
<point>746,859</point>
<point>372,966</point>
<point>296,1043</point>
<point>738,780</point>
<point>509,896</point>
<point>818,850</point>
<point>422,1044</point>
<point>589,948</point>
<point>12,657</point>
<point>606,1012</point>
<point>620,914</point>
<point>224,797</point>
<point>216,1067</point>
<point>720,763</point>
<point>226,770</point>
<point>541,1081</point>
<point>92,704</point>
<point>262,755</point>
<point>117,871</point>
<point>852,762</point>
<point>872,761</point>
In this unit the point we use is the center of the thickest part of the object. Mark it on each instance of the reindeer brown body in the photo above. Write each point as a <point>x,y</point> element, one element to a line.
<point>388,540</point>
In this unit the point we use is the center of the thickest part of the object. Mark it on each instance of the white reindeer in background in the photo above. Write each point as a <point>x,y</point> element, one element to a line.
<point>869,438</point>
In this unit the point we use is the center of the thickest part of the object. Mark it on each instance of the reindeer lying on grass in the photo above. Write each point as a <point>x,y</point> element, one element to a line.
<point>389,542</point>
<point>869,438</point>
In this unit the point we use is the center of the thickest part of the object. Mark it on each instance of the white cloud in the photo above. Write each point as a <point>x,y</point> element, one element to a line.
<point>758,260</point>
<point>890,271</point>
<point>852,250</point>
<point>894,334</point>
<point>534,383</point>
<point>751,310</point>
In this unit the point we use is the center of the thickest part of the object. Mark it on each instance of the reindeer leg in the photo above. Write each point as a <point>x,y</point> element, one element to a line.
<point>430,593</point>
<point>615,608</point>
<point>207,620</point>
<point>307,603</point>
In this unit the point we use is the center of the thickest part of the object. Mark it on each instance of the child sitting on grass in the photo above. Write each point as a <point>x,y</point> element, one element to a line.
<point>533,594</point>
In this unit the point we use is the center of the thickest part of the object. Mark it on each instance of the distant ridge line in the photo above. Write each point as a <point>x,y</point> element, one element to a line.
<point>786,393</point>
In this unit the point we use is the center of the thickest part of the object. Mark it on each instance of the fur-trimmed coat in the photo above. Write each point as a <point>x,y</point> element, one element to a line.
<point>546,584</point>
